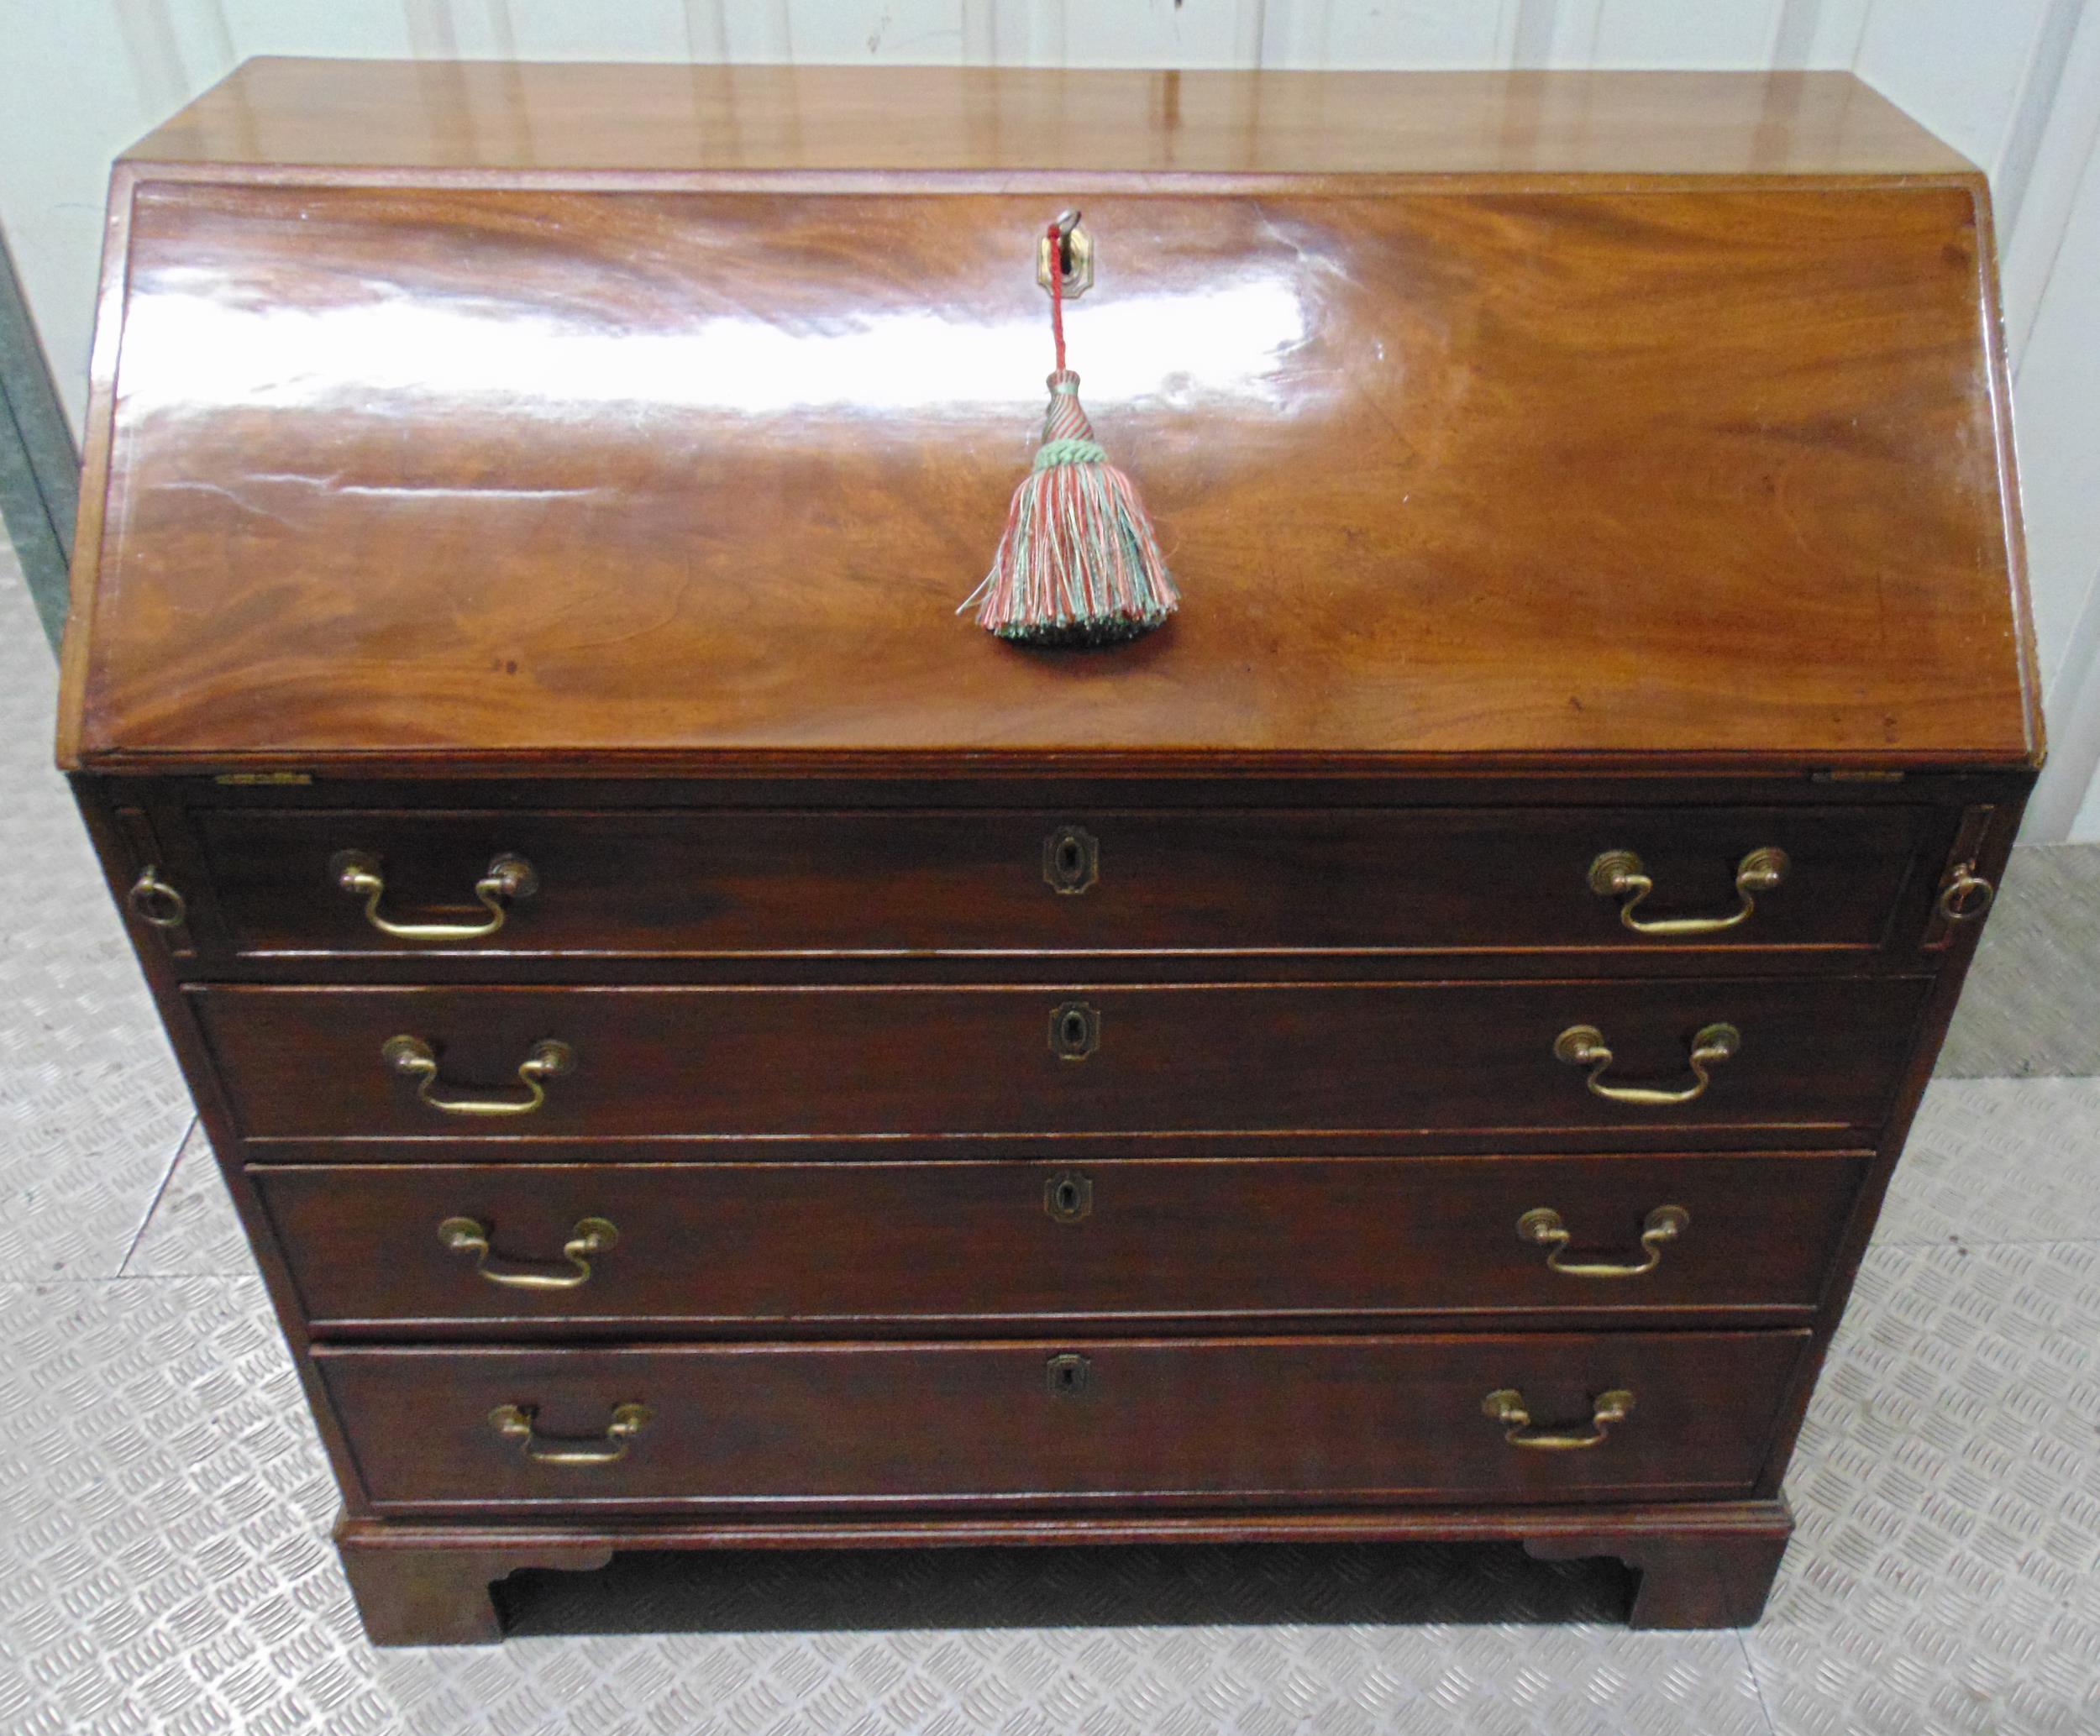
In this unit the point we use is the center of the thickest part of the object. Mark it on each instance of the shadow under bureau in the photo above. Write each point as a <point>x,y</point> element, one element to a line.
<point>711,1049</point>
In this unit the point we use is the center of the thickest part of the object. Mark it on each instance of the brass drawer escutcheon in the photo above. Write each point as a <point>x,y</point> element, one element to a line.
<point>1583,1046</point>
<point>1620,874</point>
<point>1075,1030</point>
<point>1506,1406</point>
<point>592,1236</point>
<point>152,899</point>
<point>1067,1197</point>
<point>1543,1226</point>
<point>413,1056</point>
<point>359,874</point>
<point>516,1422</point>
<point>1070,1374</point>
<point>1071,860</point>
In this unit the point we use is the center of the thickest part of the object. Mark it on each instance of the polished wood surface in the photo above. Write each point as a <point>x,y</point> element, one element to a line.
<point>816,1248</point>
<point>1189,1422</point>
<point>962,1063</point>
<point>977,881</point>
<point>586,462</point>
<point>431,117</point>
<point>440,477</point>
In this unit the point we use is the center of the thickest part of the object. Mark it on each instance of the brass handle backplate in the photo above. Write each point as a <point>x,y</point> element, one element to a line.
<point>359,875</point>
<point>1071,860</point>
<point>516,1422</point>
<point>1583,1046</point>
<point>1543,1226</point>
<point>413,1056</point>
<point>592,1236</point>
<point>1506,1406</point>
<point>152,899</point>
<point>1621,874</point>
<point>1964,896</point>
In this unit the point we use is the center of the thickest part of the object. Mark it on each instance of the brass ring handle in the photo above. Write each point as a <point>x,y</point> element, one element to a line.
<point>515,1422</point>
<point>413,1056</point>
<point>1964,896</point>
<point>592,1236</point>
<point>1620,874</point>
<point>152,899</point>
<point>360,875</point>
<point>1583,1046</point>
<point>1543,1225</point>
<point>1506,1406</point>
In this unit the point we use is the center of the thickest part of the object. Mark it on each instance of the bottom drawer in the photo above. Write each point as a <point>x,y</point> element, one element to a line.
<point>1193,1422</point>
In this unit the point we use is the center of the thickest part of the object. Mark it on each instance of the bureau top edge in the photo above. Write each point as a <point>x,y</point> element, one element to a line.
<point>492,116</point>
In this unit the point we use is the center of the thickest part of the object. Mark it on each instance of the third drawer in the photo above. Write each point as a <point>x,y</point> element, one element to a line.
<point>783,1247</point>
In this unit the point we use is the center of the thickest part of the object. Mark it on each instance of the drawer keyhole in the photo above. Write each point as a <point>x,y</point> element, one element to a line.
<point>1075,1030</point>
<point>1071,860</point>
<point>1069,1197</point>
<point>1070,1375</point>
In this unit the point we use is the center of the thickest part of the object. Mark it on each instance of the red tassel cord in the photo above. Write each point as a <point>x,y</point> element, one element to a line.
<point>1078,564</point>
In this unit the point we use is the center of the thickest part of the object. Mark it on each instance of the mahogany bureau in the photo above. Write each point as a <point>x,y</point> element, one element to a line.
<point>712,1049</point>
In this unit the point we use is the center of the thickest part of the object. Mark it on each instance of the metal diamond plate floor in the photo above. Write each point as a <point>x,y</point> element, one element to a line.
<point>164,1508</point>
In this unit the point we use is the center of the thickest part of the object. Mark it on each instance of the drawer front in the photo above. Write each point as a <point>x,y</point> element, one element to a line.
<point>1192,1423</point>
<point>1000,881</point>
<point>815,1247</point>
<point>326,1063</point>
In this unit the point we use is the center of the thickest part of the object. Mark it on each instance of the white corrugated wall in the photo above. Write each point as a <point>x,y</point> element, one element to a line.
<point>2015,84</point>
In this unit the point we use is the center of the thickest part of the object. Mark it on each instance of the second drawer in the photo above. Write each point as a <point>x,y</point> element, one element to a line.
<point>829,1247</point>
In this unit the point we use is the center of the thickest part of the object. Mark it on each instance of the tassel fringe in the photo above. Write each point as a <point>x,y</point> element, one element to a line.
<point>1078,564</point>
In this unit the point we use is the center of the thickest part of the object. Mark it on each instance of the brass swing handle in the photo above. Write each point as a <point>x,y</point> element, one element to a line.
<point>413,1056</point>
<point>1506,1406</point>
<point>515,1422</point>
<point>1543,1225</point>
<point>153,900</point>
<point>592,1236</point>
<point>360,875</point>
<point>1620,874</point>
<point>1583,1046</point>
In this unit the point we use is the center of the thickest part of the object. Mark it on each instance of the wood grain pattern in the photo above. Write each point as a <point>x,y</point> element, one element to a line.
<point>772,120</point>
<point>693,479</point>
<point>964,1063</point>
<point>586,461</point>
<point>1189,1422</point>
<point>830,1248</point>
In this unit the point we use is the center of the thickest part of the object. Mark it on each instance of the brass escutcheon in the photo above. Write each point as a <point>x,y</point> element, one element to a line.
<point>1075,1030</point>
<point>1069,1374</point>
<point>1071,860</point>
<point>1068,1196</point>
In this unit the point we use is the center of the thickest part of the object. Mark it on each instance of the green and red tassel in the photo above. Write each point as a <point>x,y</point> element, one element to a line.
<point>1078,564</point>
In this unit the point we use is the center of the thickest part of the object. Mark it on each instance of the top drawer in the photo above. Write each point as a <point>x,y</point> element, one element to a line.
<point>694,882</point>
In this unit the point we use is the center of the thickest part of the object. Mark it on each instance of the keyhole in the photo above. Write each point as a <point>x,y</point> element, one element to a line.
<point>1068,856</point>
<point>1074,1029</point>
<point>1068,1197</point>
<point>1070,1375</point>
